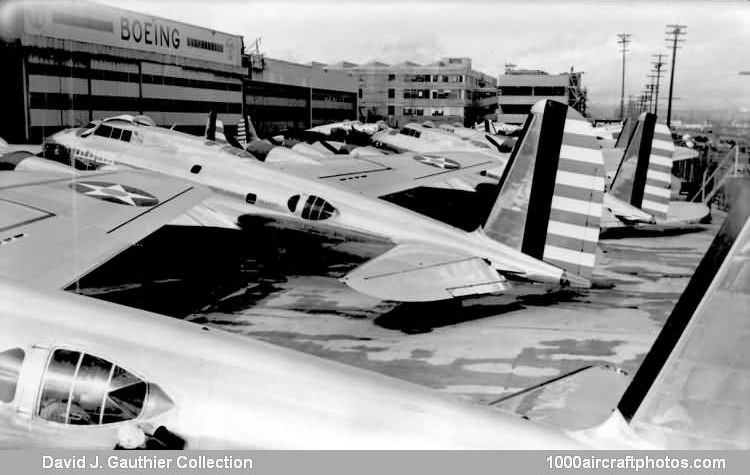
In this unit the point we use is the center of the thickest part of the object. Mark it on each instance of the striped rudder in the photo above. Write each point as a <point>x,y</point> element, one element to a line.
<point>656,191</point>
<point>215,129</point>
<point>242,132</point>
<point>550,199</point>
<point>643,178</point>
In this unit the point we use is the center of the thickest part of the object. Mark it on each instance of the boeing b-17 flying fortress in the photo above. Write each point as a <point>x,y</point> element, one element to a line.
<point>365,284</point>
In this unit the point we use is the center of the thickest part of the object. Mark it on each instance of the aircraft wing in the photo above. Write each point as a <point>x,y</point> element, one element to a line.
<point>55,227</point>
<point>383,175</point>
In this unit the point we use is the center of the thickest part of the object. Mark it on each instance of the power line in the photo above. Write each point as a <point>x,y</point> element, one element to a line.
<point>658,64</point>
<point>623,39</point>
<point>675,31</point>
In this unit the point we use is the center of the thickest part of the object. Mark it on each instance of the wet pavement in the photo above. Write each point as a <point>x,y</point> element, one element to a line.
<point>479,349</point>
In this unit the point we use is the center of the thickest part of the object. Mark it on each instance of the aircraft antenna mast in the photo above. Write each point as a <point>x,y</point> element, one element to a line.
<point>675,31</point>
<point>623,39</point>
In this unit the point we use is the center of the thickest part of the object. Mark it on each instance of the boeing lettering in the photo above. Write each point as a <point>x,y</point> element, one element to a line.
<point>149,33</point>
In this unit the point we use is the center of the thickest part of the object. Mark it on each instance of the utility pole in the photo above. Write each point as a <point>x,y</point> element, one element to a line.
<point>675,31</point>
<point>658,64</point>
<point>623,39</point>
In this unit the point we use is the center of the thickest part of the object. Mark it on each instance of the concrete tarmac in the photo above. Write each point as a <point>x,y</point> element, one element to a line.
<point>479,349</point>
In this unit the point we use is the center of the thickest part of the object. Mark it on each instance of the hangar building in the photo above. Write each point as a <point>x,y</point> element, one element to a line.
<point>66,63</point>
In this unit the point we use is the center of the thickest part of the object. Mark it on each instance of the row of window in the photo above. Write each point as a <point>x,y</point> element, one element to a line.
<point>421,111</point>
<point>428,94</point>
<point>78,388</point>
<point>532,90</point>
<point>429,77</point>
<point>114,133</point>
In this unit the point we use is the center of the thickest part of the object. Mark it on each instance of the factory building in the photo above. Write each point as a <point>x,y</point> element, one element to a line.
<point>447,90</point>
<point>281,95</point>
<point>519,89</point>
<point>66,63</point>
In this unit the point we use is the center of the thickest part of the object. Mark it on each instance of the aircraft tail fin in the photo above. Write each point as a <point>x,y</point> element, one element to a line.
<point>628,127</point>
<point>643,178</point>
<point>549,200</point>
<point>691,390</point>
<point>215,129</point>
<point>489,127</point>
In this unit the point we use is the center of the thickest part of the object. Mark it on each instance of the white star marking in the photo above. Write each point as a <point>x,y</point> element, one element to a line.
<point>116,192</point>
<point>440,162</point>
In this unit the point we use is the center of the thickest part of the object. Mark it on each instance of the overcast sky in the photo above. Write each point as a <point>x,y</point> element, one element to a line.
<point>532,34</point>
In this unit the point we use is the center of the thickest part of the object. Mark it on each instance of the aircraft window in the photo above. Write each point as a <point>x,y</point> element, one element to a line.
<point>103,131</point>
<point>58,381</point>
<point>251,198</point>
<point>126,397</point>
<point>116,133</point>
<point>411,132</point>
<point>317,209</point>
<point>82,389</point>
<point>196,169</point>
<point>126,135</point>
<point>10,368</point>
<point>89,391</point>
<point>292,203</point>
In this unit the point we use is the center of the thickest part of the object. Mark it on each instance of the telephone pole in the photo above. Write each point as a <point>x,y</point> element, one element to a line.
<point>658,64</point>
<point>675,31</point>
<point>623,39</point>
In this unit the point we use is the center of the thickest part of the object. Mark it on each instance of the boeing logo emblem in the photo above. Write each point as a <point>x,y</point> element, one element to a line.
<point>437,161</point>
<point>115,193</point>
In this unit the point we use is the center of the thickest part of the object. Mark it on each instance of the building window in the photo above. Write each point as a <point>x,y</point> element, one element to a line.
<point>391,77</point>
<point>549,91</point>
<point>515,108</point>
<point>416,93</point>
<point>391,110</point>
<point>391,93</point>
<point>360,93</point>
<point>456,78</point>
<point>515,90</point>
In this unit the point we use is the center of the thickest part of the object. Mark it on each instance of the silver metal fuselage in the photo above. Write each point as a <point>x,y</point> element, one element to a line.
<point>229,391</point>
<point>233,177</point>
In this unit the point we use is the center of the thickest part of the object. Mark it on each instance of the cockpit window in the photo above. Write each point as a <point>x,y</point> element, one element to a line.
<point>82,389</point>
<point>10,368</point>
<point>411,132</point>
<point>115,133</point>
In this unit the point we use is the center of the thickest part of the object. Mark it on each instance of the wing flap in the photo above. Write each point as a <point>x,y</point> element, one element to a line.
<point>415,273</point>
<point>64,227</point>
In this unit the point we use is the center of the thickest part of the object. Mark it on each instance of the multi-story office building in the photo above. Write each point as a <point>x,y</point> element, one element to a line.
<point>448,90</point>
<point>519,89</point>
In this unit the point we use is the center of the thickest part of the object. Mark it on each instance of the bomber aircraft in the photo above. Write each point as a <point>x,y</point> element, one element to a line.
<point>540,224</point>
<point>74,371</point>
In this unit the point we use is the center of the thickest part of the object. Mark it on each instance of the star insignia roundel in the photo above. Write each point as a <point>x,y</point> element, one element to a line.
<point>115,193</point>
<point>437,161</point>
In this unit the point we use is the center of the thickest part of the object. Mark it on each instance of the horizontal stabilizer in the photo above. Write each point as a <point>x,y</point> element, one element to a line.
<point>416,273</point>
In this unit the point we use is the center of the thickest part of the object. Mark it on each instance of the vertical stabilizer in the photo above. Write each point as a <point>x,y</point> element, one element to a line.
<point>550,195</point>
<point>692,389</point>
<point>643,178</point>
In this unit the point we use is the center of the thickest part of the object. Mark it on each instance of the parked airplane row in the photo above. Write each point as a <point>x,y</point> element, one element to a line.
<point>69,376</point>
